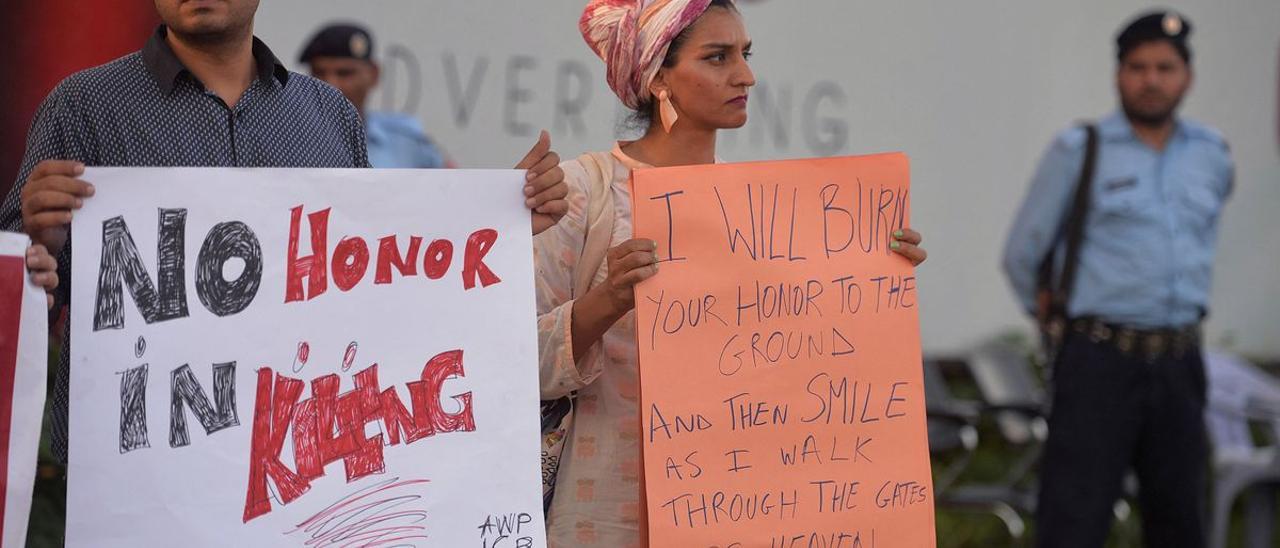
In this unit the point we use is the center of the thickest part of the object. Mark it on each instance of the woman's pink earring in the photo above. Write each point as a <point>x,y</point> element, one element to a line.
<point>666,110</point>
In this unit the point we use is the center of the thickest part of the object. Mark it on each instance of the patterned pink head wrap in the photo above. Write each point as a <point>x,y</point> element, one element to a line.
<point>632,37</point>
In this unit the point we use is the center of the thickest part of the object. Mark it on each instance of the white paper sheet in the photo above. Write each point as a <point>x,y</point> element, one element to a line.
<point>141,481</point>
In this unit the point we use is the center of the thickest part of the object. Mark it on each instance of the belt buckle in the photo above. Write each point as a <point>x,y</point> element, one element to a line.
<point>1099,332</point>
<point>1125,341</point>
<point>1155,345</point>
<point>1184,340</point>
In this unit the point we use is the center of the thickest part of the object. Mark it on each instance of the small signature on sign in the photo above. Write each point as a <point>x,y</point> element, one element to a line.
<point>507,530</point>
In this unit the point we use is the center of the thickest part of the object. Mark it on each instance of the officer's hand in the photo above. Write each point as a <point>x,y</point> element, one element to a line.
<point>51,193</point>
<point>906,242</point>
<point>43,269</point>
<point>545,189</point>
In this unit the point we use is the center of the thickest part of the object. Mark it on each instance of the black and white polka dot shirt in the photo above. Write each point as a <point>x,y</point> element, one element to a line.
<point>147,110</point>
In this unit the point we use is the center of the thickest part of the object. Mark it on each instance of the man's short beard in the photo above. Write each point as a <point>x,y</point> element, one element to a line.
<point>1156,119</point>
<point>211,37</point>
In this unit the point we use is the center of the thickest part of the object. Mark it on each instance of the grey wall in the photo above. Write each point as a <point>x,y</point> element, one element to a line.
<point>972,91</point>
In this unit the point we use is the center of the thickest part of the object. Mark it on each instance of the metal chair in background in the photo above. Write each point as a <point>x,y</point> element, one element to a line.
<point>953,440</point>
<point>1243,399</point>
<point>952,424</point>
<point>1013,401</point>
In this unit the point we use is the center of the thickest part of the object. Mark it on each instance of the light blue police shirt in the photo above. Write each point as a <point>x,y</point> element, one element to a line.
<point>398,141</point>
<point>1151,230</point>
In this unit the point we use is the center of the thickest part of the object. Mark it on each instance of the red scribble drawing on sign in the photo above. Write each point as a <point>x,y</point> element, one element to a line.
<point>330,427</point>
<point>378,515</point>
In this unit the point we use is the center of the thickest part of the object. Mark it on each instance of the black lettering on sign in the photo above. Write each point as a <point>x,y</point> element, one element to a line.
<point>829,208</point>
<point>842,346</point>
<point>225,242</point>
<point>836,496</point>
<point>185,388</point>
<point>837,399</point>
<point>120,263</point>
<point>781,300</point>
<point>671,228</point>
<point>731,367</point>
<point>171,264</point>
<point>893,398</point>
<point>801,452</point>
<point>851,294</point>
<point>505,530</point>
<point>694,422</point>
<point>695,510</point>
<point>894,292</point>
<point>739,460</point>
<point>834,539</point>
<point>133,409</point>
<point>746,413</point>
<point>690,467</point>
<point>901,494</point>
<point>875,214</point>
<point>763,218</point>
<point>674,315</point>
<point>809,448</point>
<point>734,233</point>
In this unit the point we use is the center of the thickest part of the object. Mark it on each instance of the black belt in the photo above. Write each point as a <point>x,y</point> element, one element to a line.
<point>1150,344</point>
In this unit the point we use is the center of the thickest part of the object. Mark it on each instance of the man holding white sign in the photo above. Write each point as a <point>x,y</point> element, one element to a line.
<point>263,378</point>
<point>202,92</point>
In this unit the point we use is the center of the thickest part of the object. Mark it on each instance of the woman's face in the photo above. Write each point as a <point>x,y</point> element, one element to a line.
<point>709,81</point>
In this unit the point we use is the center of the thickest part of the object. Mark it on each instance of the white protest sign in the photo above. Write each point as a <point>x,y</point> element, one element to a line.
<point>24,356</point>
<point>292,357</point>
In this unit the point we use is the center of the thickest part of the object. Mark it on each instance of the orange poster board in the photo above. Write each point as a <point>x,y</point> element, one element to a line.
<point>782,399</point>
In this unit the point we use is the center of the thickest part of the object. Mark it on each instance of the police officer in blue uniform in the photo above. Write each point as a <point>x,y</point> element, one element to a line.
<point>342,56</point>
<point>1129,380</point>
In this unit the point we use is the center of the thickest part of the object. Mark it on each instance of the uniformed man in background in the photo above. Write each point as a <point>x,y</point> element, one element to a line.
<point>342,56</point>
<point>1129,380</point>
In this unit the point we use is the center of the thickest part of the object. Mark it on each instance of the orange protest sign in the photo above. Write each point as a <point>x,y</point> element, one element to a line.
<point>782,399</point>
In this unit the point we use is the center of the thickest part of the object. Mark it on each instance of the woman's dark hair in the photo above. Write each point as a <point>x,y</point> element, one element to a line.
<point>643,115</point>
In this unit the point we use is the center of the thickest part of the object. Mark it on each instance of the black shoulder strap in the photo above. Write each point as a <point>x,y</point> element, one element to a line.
<point>1072,229</point>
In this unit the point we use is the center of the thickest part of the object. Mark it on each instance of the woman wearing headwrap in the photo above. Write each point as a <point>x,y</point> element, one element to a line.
<point>681,65</point>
